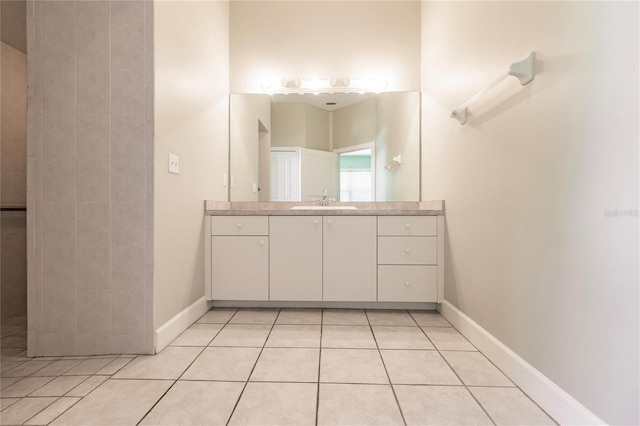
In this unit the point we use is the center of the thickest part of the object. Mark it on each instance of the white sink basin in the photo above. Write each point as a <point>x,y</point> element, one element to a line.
<point>324,208</point>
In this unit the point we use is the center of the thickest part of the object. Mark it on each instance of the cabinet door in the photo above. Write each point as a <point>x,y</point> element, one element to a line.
<point>295,258</point>
<point>349,251</point>
<point>239,268</point>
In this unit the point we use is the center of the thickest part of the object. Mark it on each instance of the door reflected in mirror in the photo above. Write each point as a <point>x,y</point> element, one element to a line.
<point>299,147</point>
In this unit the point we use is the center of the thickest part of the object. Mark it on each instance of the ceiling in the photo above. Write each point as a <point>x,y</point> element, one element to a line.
<point>321,100</point>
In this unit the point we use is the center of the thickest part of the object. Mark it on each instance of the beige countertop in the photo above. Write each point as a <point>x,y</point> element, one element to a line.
<point>251,208</point>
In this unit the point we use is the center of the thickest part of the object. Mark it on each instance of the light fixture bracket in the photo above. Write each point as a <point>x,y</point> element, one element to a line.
<point>324,85</point>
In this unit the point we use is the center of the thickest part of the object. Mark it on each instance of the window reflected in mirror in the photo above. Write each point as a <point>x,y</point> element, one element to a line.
<point>356,175</point>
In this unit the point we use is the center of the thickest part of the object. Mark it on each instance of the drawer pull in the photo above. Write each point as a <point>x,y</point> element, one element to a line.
<point>407,250</point>
<point>407,284</point>
<point>238,225</point>
<point>407,225</point>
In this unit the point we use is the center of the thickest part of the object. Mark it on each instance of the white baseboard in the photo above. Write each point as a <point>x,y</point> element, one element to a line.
<point>176,325</point>
<point>554,400</point>
<point>332,305</point>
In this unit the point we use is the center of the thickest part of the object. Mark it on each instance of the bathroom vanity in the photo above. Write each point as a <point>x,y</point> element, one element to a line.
<point>292,254</point>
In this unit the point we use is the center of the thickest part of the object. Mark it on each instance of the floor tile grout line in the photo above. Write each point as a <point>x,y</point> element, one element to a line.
<point>157,401</point>
<point>393,391</point>
<point>490,362</point>
<point>40,411</point>
<point>485,386</point>
<point>35,390</point>
<point>253,368</point>
<point>81,397</point>
<point>321,347</point>
<point>185,370</point>
<point>460,378</point>
<point>319,366</point>
<point>56,417</point>
<point>31,374</point>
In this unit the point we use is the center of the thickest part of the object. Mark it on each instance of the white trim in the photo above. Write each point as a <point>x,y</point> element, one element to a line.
<point>176,325</point>
<point>418,306</point>
<point>207,257</point>
<point>440,258</point>
<point>564,408</point>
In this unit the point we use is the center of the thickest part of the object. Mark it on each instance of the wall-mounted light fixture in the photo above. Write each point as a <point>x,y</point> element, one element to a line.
<point>324,85</point>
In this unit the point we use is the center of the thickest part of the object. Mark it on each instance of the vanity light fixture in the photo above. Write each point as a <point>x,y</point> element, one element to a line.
<point>326,85</point>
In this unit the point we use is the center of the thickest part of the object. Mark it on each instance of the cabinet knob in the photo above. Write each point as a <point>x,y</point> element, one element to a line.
<point>315,222</point>
<point>261,242</point>
<point>329,221</point>
<point>407,283</point>
<point>407,225</point>
<point>407,250</point>
<point>238,225</point>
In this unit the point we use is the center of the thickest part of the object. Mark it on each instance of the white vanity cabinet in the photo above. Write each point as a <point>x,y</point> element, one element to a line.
<point>349,258</point>
<point>239,257</point>
<point>408,251</point>
<point>295,246</point>
<point>325,259</point>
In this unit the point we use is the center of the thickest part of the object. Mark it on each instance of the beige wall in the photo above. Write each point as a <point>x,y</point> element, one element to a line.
<point>191,92</point>
<point>279,39</point>
<point>300,124</point>
<point>244,142</point>
<point>13,153</point>
<point>354,124</point>
<point>398,133</point>
<point>531,254</point>
<point>287,124</point>
<point>317,128</point>
<point>89,189</point>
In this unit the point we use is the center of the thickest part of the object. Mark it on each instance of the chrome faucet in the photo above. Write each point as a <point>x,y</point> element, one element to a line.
<point>325,200</point>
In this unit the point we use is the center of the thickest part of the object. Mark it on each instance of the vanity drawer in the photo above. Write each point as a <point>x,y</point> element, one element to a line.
<point>407,283</point>
<point>239,225</point>
<point>407,250</point>
<point>408,225</point>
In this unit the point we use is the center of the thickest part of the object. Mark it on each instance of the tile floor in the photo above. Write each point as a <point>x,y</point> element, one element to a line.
<point>271,366</point>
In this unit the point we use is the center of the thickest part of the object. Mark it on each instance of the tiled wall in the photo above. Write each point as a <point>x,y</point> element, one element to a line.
<point>14,264</point>
<point>13,154</point>
<point>90,188</point>
<point>14,126</point>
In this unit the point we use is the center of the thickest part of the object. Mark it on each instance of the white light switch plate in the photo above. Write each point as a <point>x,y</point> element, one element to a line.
<point>174,164</point>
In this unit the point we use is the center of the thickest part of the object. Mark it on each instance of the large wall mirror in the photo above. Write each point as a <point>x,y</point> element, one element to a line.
<point>349,146</point>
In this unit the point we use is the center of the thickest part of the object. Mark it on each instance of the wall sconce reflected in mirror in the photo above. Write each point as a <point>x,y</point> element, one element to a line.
<point>324,85</point>
<point>395,163</point>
